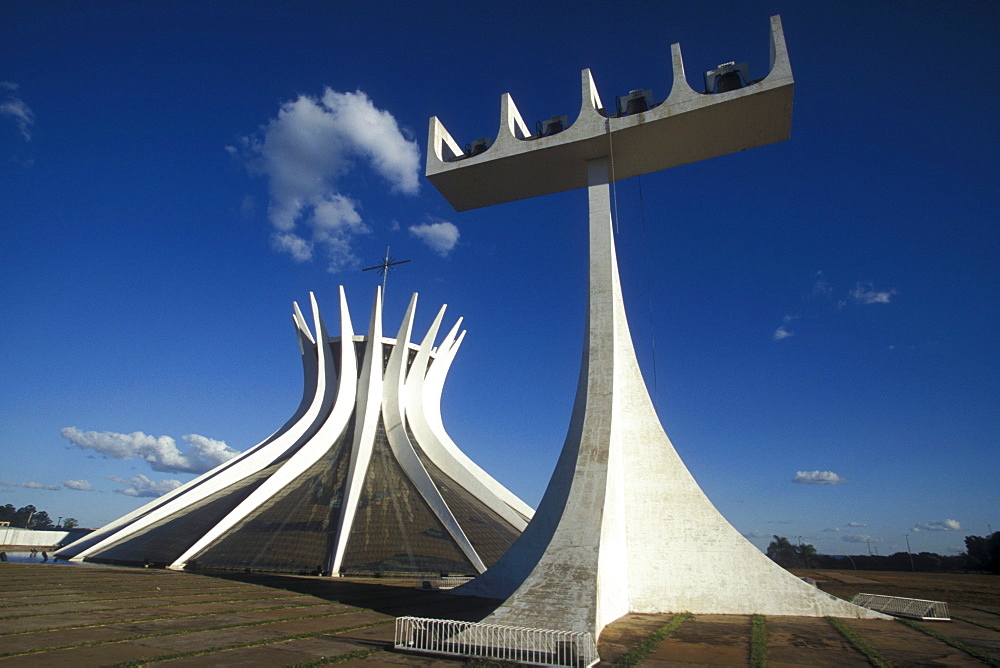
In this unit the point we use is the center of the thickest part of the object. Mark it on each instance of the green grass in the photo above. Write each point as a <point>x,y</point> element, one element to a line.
<point>957,644</point>
<point>859,643</point>
<point>639,652</point>
<point>976,607</point>
<point>969,620</point>
<point>758,641</point>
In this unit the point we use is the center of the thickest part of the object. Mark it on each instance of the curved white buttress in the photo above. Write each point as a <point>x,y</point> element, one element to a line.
<point>252,461</point>
<point>368,408</point>
<point>309,370</point>
<point>309,453</point>
<point>394,411</point>
<point>424,384</point>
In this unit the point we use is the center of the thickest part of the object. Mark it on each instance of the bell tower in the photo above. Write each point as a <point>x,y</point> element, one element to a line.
<point>623,526</point>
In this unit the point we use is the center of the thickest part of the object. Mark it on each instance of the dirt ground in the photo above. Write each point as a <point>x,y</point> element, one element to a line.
<point>59,615</point>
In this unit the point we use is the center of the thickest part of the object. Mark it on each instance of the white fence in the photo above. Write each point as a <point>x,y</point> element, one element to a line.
<point>540,647</point>
<point>904,607</point>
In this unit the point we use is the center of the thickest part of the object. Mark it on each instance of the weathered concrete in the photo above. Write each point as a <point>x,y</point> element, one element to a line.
<point>686,127</point>
<point>623,526</point>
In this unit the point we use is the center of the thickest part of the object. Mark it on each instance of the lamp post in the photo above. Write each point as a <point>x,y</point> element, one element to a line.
<point>907,536</point>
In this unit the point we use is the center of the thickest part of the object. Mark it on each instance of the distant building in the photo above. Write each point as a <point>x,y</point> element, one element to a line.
<point>363,479</point>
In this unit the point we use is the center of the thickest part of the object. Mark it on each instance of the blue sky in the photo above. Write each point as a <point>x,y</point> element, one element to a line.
<point>174,175</point>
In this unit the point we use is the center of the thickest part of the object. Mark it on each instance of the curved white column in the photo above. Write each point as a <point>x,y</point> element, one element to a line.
<point>623,526</point>
<point>316,447</point>
<point>394,413</point>
<point>246,465</point>
<point>424,385</point>
<point>75,551</point>
<point>367,410</point>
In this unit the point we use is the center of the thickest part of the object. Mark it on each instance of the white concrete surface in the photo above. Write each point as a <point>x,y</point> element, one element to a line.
<point>623,526</point>
<point>687,127</point>
<point>402,393</point>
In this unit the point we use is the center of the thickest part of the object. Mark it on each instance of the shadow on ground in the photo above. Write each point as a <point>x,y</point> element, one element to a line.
<point>398,598</point>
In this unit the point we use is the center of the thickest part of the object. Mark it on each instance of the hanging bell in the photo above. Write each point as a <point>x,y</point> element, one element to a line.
<point>726,77</point>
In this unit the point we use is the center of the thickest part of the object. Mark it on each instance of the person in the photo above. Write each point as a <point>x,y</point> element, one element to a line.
<point>45,556</point>
<point>3,556</point>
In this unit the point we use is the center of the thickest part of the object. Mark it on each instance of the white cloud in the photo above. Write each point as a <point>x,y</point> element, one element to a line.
<point>865,293</point>
<point>940,525</point>
<point>781,333</point>
<point>141,486</point>
<point>81,485</point>
<point>8,85</point>
<point>818,478</point>
<point>856,538</point>
<point>16,108</point>
<point>756,534</point>
<point>162,454</point>
<point>832,530</point>
<point>305,151</point>
<point>30,485</point>
<point>300,249</point>
<point>856,524</point>
<point>441,237</point>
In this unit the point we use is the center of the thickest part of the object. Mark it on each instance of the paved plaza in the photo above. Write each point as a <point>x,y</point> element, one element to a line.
<point>69,615</point>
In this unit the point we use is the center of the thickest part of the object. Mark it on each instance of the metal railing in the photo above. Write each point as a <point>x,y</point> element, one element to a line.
<point>914,608</point>
<point>541,647</point>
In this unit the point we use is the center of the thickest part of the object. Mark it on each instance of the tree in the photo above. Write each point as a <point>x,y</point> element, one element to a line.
<point>70,523</point>
<point>984,552</point>
<point>807,555</point>
<point>782,552</point>
<point>23,516</point>
<point>41,520</point>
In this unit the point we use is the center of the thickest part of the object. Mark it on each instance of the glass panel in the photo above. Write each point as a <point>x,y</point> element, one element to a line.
<point>164,541</point>
<point>292,531</point>
<point>490,534</point>
<point>395,530</point>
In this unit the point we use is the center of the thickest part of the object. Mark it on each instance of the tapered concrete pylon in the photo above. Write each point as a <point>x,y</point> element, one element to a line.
<point>623,526</point>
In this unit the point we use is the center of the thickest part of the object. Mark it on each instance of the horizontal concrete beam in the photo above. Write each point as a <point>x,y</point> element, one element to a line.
<point>687,127</point>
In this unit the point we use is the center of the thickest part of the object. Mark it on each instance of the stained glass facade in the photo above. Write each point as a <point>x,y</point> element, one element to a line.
<point>395,530</point>
<point>293,531</point>
<point>489,533</point>
<point>426,524</point>
<point>164,541</point>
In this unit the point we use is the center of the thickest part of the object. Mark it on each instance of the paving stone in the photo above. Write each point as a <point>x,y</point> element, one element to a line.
<point>721,640</point>
<point>903,646</point>
<point>808,641</point>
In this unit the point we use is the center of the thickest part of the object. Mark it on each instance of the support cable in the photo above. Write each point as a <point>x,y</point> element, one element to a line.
<point>614,184</point>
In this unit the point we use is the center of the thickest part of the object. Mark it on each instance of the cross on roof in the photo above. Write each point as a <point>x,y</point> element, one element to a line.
<point>387,265</point>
